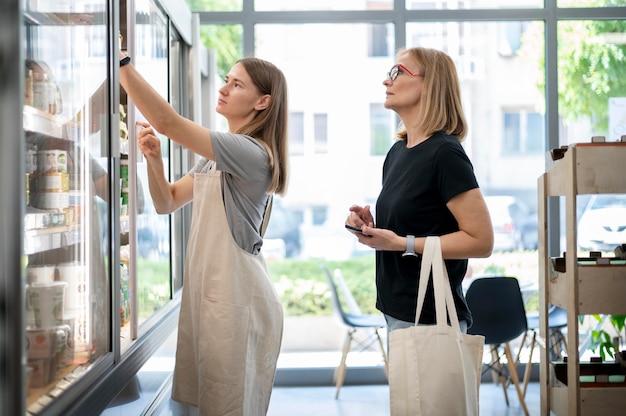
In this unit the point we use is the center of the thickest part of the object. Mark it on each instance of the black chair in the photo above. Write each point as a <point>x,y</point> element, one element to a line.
<point>557,320</point>
<point>355,320</point>
<point>499,315</point>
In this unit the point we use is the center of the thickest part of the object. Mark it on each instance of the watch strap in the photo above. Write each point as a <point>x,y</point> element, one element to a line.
<point>410,247</point>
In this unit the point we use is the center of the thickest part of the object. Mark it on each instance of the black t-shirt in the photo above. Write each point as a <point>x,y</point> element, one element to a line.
<point>417,184</point>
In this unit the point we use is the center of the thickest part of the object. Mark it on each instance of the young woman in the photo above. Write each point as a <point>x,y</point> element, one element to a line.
<point>429,189</point>
<point>231,319</point>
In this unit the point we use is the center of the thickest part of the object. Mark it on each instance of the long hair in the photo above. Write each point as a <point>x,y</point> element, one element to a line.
<point>269,126</point>
<point>441,108</point>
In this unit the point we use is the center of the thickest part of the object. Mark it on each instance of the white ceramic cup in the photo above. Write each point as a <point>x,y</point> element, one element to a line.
<point>46,300</point>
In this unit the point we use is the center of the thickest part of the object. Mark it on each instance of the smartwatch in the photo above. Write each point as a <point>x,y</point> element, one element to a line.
<point>410,247</point>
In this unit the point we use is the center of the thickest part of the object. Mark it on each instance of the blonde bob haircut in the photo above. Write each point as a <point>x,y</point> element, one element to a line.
<point>440,107</point>
<point>269,126</point>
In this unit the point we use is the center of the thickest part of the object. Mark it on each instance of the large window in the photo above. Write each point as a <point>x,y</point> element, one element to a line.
<point>470,4</point>
<point>532,79</point>
<point>320,132</point>
<point>523,132</point>
<point>381,130</point>
<point>296,133</point>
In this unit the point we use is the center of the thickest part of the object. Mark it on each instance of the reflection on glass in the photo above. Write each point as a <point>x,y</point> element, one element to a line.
<point>68,286</point>
<point>601,223</point>
<point>471,4</point>
<point>592,79</point>
<point>153,230</point>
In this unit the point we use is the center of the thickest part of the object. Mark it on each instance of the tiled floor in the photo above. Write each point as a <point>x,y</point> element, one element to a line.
<point>153,381</point>
<point>370,401</point>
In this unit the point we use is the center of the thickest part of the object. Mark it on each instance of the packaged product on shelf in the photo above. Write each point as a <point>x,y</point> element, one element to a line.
<point>124,285</point>
<point>124,184</point>
<point>76,312</point>
<point>52,179</point>
<point>44,371</point>
<point>52,161</point>
<point>53,182</point>
<point>41,92</point>
<point>124,295</point>
<point>81,341</point>
<point>38,218</point>
<point>75,201</point>
<point>76,293</point>
<point>29,378</point>
<point>50,200</point>
<point>42,273</point>
<point>28,88</point>
<point>31,158</point>
<point>44,343</point>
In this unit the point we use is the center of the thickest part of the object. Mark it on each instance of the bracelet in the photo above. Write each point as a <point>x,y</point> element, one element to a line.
<point>125,60</point>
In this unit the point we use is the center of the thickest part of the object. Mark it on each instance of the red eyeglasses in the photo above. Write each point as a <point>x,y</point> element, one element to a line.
<point>399,69</point>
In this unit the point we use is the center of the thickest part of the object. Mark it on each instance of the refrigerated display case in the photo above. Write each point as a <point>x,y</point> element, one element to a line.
<point>87,294</point>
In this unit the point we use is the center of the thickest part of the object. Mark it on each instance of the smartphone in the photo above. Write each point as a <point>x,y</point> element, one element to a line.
<point>355,229</point>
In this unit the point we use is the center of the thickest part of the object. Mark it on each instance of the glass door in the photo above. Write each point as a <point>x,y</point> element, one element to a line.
<point>145,261</point>
<point>67,191</point>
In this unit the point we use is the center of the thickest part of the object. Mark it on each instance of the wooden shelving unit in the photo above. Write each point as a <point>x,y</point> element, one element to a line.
<point>582,289</point>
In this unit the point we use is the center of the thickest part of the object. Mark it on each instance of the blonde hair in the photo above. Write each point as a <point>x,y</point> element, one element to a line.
<point>441,107</point>
<point>270,125</point>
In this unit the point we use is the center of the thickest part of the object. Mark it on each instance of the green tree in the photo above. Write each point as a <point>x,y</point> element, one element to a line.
<point>226,40</point>
<point>591,64</point>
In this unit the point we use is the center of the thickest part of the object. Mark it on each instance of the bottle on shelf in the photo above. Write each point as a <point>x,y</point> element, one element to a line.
<point>28,90</point>
<point>41,92</point>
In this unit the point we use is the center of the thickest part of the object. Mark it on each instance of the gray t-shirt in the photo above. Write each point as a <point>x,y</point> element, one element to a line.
<point>246,175</point>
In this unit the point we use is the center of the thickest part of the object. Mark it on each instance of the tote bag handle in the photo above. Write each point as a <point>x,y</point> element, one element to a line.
<point>433,258</point>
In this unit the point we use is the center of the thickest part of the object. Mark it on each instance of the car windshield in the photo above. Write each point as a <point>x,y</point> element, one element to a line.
<point>609,201</point>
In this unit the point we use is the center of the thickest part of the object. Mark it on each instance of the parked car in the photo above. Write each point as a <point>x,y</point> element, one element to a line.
<point>515,226</point>
<point>602,225</point>
<point>283,226</point>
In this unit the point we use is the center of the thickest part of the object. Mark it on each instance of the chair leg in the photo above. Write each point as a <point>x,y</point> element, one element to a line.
<point>340,372</point>
<point>529,364</point>
<point>498,370</point>
<point>495,372</point>
<point>559,344</point>
<point>521,345</point>
<point>513,372</point>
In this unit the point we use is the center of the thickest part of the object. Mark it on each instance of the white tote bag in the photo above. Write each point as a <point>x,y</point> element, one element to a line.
<point>434,369</point>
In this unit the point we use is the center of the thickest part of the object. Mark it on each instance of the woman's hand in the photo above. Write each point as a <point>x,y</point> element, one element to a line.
<point>147,141</point>
<point>381,239</point>
<point>360,216</point>
<point>376,238</point>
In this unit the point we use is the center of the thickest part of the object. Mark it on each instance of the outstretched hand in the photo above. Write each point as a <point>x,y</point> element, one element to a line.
<point>147,141</point>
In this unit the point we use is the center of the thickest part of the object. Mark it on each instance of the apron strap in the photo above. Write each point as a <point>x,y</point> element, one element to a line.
<point>266,215</point>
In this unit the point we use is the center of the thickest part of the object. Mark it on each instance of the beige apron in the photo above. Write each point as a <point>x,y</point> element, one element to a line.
<point>231,319</point>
